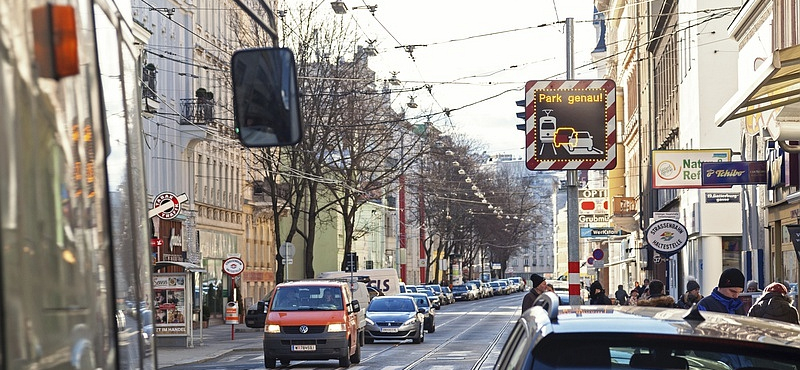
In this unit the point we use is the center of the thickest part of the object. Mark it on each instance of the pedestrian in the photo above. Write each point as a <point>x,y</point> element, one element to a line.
<point>691,296</point>
<point>538,286</point>
<point>597,294</point>
<point>725,296</point>
<point>774,304</point>
<point>657,297</point>
<point>621,295</point>
<point>550,288</point>
<point>643,288</point>
<point>634,297</point>
<point>752,286</point>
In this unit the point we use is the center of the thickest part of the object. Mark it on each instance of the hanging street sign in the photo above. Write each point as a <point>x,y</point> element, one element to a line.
<point>570,125</point>
<point>167,205</point>
<point>734,173</point>
<point>233,266</point>
<point>666,236</point>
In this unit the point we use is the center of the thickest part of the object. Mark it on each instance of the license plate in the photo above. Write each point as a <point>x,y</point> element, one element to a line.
<point>388,330</point>
<point>304,347</point>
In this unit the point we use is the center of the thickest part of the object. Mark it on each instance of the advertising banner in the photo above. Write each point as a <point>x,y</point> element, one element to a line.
<point>681,169</point>
<point>170,304</point>
<point>734,173</point>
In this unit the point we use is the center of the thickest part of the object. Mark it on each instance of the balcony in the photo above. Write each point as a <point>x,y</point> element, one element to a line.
<point>198,110</point>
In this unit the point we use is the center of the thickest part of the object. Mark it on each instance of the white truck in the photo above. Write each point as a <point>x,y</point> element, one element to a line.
<point>385,279</point>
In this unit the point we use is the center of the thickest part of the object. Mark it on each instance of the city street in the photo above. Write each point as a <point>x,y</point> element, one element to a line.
<point>469,335</point>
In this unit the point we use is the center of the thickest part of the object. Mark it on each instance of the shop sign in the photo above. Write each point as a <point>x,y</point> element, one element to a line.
<point>734,173</point>
<point>681,169</point>
<point>667,237</point>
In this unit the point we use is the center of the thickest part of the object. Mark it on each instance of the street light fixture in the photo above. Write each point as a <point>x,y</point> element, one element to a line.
<point>339,7</point>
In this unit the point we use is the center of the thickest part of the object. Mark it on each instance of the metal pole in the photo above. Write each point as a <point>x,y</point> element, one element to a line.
<point>573,252</point>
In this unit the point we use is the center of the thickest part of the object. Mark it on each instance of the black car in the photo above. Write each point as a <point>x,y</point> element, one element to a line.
<point>552,336</point>
<point>423,301</point>
<point>394,318</point>
<point>256,315</point>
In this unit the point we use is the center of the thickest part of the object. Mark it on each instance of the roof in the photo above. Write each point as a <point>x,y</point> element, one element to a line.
<point>313,282</point>
<point>661,321</point>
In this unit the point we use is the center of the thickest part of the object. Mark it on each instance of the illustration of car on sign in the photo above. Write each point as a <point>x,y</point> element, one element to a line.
<point>581,142</point>
<point>563,136</point>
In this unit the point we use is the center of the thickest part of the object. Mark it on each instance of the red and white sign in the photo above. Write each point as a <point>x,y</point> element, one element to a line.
<point>570,125</point>
<point>233,266</point>
<point>167,205</point>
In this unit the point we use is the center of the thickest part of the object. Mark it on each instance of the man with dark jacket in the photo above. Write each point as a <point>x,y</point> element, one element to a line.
<point>775,305</point>
<point>725,297</point>
<point>657,297</point>
<point>538,286</point>
<point>692,295</point>
<point>621,295</point>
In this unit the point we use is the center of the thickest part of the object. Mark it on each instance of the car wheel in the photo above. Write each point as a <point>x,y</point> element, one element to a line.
<point>433,327</point>
<point>269,363</point>
<point>356,357</point>
<point>285,362</point>
<point>344,361</point>
<point>420,335</point>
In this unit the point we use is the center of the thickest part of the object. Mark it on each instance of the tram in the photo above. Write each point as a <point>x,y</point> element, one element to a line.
<point>75,264</point>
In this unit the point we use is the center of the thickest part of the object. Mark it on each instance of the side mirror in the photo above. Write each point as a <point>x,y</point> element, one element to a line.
<point>266,103</point>
<point>421,310</point>
<point>261,306</point>
<point>356,306</point>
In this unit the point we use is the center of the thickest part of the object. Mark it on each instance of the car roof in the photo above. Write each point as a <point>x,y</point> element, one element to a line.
<point>314,282</point>
<point>396,296</point>
<point>657,321</point>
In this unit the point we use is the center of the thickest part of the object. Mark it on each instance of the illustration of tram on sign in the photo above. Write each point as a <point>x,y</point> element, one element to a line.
<point>547,130</point>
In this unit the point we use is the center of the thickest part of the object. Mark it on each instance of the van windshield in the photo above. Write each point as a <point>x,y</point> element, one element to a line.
<point>307,299</point>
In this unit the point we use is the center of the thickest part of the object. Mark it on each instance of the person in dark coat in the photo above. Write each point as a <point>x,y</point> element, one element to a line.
<point>538,286</point>
<point>692,295</point>
<point>725,297</point>
<point>657,297</point>
<point>775,305</point>
<point>597,294</point>
<point>621,295</point>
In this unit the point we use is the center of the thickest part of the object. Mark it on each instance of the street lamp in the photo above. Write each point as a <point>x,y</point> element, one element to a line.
<point>339,7</point>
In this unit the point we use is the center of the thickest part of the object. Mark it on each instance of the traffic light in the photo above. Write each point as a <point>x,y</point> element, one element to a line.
<point>521,103</point>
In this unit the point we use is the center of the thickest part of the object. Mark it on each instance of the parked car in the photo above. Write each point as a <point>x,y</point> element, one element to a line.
<point>423,301</point>
<point>435,301</point>
<point>256,315</point>
<point>449,294</point>
<point>464,292</point>
<point>497,289</point>
<point>636,337</point>
<point>394,318</point>
<point>438,290</point>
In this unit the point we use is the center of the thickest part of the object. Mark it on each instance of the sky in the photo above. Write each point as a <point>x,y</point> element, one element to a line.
<point>475,56</point>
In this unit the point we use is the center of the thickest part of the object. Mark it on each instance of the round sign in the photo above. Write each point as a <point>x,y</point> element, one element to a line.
<point>598,254</point>
<point>167,205</point>
<point>233,266</point>
<point>590,260</point>
<point>286,250</point>
<point>667,237</point>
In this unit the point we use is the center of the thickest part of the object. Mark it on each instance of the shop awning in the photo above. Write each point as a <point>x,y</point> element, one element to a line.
<point>191,267</point>
<point>777,84</point>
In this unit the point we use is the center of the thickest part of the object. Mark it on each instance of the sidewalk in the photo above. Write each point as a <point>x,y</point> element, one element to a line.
<point>215,342</point>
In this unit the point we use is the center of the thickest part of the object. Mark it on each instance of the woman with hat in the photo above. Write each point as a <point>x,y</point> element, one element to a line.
<point>775,305</point>
<point>692,295</point>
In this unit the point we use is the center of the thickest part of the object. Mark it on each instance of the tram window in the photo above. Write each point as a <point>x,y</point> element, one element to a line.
<point>266,103</point>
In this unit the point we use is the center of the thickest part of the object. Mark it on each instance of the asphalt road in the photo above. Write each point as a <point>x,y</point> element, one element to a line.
<point>469,335</point>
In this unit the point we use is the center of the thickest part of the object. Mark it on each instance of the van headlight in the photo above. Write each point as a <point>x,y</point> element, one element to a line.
<point>272,328</point>
<point>336,328</point>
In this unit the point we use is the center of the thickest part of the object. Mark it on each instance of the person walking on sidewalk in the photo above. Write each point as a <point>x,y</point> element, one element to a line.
<point>725,297</point>
<point>538,286</point>
<point>621,295</point>
<point>657,297</point>
<point>692,295</point>
<point>775,305</point>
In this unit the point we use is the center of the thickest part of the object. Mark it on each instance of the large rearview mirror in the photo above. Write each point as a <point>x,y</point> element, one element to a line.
<point>266,105</point>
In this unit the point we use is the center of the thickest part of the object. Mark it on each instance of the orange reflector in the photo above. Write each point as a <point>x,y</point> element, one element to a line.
<point>55,41</point>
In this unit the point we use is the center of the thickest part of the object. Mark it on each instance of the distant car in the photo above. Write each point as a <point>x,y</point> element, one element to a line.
<point>435,301</point>
<point>423,301</point>
<point>394,318</point>
<point>464,292</point>
<point>497,289</point>
<point>256,315</point>
<point>449,294</point>
<point>438,290</point>
<point>636,337</point>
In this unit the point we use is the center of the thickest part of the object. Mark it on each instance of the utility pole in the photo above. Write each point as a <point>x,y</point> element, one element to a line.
<point>573,252</point>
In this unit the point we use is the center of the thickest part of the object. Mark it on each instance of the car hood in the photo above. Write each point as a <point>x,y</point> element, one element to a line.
<point>390,316</point>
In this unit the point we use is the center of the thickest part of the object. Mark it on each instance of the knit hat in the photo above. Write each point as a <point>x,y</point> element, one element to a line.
<point>752,284</point>
<point>777,288</point>
<point>731,278</point>
<point>536,279</point>
<point>692,285</point>
<point>656,287</point>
